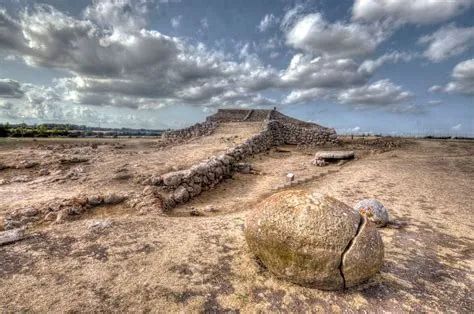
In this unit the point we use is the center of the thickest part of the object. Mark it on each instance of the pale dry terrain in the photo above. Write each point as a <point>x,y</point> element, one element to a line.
<point>113,259</point>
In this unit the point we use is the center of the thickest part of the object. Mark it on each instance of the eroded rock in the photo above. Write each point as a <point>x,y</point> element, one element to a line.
<point>302,237</point>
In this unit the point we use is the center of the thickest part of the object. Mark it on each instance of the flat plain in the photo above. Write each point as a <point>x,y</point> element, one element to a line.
<point>114,258</point>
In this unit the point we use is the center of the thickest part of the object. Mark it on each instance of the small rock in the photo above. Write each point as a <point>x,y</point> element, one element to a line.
<point>290,176</point>
<point>373,210</point>
<point>195,212</point>
<point>98,224</point>
<point>181,195</point>
<point>43,172</point>
<point>211,209</point>
<point>113,199</point>
<point>242,167</point>
<point>95,200</point>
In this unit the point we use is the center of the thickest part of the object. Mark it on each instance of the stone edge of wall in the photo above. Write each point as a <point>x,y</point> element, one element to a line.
<point>196,130</point>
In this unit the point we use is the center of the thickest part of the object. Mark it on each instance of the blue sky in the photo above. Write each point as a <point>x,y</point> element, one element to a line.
<point>382,66</point>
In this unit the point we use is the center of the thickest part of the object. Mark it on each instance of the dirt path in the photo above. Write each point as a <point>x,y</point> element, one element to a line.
<point>132,263</point>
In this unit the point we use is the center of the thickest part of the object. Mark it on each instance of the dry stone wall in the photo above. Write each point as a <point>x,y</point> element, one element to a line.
<point>180,186</point>
<point>196,130</point>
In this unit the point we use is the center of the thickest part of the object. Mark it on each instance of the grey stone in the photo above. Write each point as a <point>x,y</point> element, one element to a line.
<point>181,195</point>
<point>373,210</point>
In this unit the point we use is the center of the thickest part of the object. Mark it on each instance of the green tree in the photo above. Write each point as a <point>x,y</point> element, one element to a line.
<point>3,130</point>
<point>42,130</point>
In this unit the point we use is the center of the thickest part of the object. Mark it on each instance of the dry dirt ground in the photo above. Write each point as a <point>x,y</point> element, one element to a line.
<point>112,259</point>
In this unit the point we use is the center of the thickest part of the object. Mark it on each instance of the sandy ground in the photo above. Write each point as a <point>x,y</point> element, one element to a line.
<point>113,259</point>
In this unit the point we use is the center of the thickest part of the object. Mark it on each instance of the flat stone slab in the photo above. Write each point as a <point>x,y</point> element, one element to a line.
<point>334,155</point>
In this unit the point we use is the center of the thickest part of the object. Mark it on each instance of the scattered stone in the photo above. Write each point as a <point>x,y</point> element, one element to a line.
<point>113,199</point>
<point>313,240</point>
<point>242,167</point>
<point>290,176</point>
<point>11,236</point>
<point>211,209</point>
<point>99,224</point>
<point>43,172</point>
<point>320,162</point>
<point>374,211</point>
<point>20,179</point>
<point>95,200</point>
<point>195,212</point>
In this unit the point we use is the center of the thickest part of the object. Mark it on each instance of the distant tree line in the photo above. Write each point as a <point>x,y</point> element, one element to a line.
<point>69,130</point>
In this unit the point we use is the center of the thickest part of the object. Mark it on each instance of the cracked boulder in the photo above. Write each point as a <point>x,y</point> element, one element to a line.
<point>313,240</point>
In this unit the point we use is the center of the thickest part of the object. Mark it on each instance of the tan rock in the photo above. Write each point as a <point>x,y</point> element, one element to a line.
<point>364,257</point>
<point>302,237</point>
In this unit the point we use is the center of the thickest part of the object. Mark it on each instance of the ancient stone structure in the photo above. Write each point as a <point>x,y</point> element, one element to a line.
<point>313,240</point>
<point>373,210</point>
<point>196,130</point>
<point>180,186</point>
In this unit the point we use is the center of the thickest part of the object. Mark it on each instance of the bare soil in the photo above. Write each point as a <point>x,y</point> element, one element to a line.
<point>113,259</point>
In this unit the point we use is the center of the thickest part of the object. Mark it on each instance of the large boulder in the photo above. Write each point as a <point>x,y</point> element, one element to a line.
<point>313,240</point>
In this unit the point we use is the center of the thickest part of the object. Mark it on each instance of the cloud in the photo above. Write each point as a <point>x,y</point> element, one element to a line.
<point>463,80</point>
<point>305,96</point>
<point>379,93</point>
<point>10,89</point>
<point>447,41</point>
<point>312,33</point>
<point>370,66</point>
<point>118,14</point>
<point>307,72</point>
<point>457,127</point>
<point>413,12</point>
<point>268,21</point>
<point>176,21</point>
<point>113,60</point>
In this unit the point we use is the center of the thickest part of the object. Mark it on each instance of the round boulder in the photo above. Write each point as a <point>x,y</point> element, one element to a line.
<point>373,210</point>
<point>313,240</point>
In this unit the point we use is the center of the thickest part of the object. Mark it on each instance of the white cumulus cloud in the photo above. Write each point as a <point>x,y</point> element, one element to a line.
<point>409,11</point>
<point>312,33</point>
<point>448,41</point>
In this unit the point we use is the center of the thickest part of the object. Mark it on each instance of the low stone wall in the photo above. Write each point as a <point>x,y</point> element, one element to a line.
<point>229,115</point>
<point>180,186</point>
<point>295,135</point>
<point>196,130</point>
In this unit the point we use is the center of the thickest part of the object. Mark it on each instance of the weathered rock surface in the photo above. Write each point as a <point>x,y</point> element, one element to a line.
<point>374,211</point>
<point>11,236</point>
<point>334,155</point>
<point>303,237</point>
<point>364,257</point>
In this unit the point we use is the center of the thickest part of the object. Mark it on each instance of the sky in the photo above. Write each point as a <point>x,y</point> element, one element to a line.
<point>379,66</point>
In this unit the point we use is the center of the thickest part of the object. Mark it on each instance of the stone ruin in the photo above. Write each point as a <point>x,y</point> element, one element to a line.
<point>164,191</point>
<point>178,187</point>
